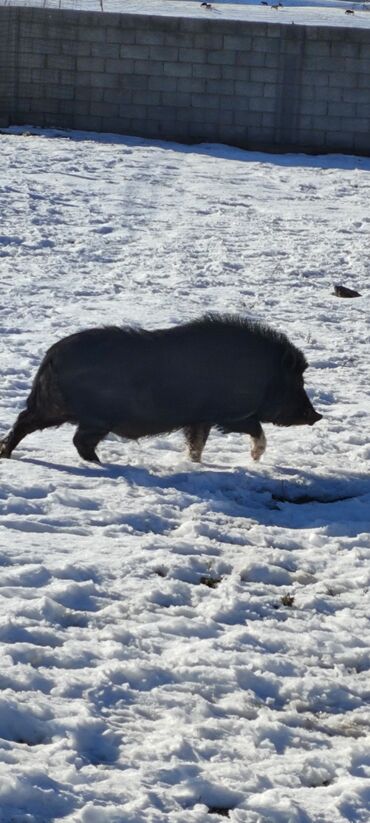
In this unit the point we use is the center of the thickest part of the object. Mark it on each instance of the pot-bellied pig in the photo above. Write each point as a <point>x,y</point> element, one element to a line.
<point>222,371</point>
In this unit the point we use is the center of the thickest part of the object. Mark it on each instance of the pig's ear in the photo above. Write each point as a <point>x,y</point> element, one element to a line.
<point>294,360</point>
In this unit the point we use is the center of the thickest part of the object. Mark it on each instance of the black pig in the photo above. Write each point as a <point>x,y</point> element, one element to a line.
<point>218,371</point>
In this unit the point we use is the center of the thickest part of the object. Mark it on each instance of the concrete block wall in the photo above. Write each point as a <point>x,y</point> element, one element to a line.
<point>254,85</point>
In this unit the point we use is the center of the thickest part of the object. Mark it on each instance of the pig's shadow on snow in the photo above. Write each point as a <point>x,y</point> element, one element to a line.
<point>297,499</point>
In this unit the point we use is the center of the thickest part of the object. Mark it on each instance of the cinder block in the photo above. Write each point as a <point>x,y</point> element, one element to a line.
<point>92,34</point>
<point>163,53</point>
<point>360,65</point>
<point>162,83</point>
<point>249,88</point>
<point>344,49</point>
<point>175,99</point>
<point>250,58</point>
<point>192,55</point>
<point>105,109</point>
<point>25,44</point>
<point>147,98</point>
<point>312,138</point>
<point>132,110</point>
<point>150,68</point>
<point>340,140</point>
<point>361,109</point>
<point>247,118</point>
<point>114,65</point>
<point>270,90</point>
<point>177,69</point>
<point>132,81</point>
<point>322,93</point>
<point>41,46</point>
<point>202,131</point>
<point>241,42</point>
<point>316,79</point>
<point>76,48</point>
<point>119,35</point>
<point>358,124</point>
<point>94,64</point>
<point>327,123</point>
<point>101,80</point>
<point>362,143</point>
<point>221,57</point>
<point>125,97</point>
<point>261,104</point>
<point>185,41</point>
<point>268,120</point>
<point>104,50</point>
<point>205,71</point>
<point>263,75</point>
<point>60,92</point>
<point>363,81</point>
<point>88,122</point>
<point>238,136</point>
<point>208,41</point>
<point>42,76</point>
<point>316,108</point>
<point>162,112</point>
<point>364,49</point>
<point>220,86</point>
<point>151,38</point>
<point>193,84</point>
<point>343,80</point>
<point>290,47</point>
<point>273,31</point>
<point>34,91</point>
<point>70,107</point>
<point>83,106</point>
<point>272,60</point>
<point>237,103</point>
<point>342,109</point>
<point>206,101</point>
<point>24,105</point>
<point>37,118</point>
<point>85,93</point>
<point>115,125</point>
<point>266,45</point>
<point>61,61</point>
<point>34,61</point>
<point>240,73</point>
<point>43,104</point>
<point>135,52</point>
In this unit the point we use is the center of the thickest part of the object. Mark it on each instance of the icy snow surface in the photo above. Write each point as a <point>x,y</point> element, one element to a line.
<point>183,643</point>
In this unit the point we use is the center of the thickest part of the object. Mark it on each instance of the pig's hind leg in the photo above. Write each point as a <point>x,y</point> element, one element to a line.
<point>86,439</point>
<point>196,437</point>
<point>27,422</point>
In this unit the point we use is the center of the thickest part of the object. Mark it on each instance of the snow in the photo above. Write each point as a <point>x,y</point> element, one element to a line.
<point>181,642</point>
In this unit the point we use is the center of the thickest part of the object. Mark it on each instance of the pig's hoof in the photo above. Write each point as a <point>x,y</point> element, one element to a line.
<point>258,447</point>
<point>195,457</point>
<point>89,456</point>
<point>4,451</point>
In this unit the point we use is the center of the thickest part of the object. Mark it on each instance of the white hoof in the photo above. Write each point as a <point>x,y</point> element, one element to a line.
<point>258,447</point>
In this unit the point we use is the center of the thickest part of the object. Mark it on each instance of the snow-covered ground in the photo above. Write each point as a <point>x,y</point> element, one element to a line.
<point>183,643</point>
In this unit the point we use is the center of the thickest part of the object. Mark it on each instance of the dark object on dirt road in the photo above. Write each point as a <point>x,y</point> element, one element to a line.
<point>342,291</point>
<point>222,371</point>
